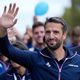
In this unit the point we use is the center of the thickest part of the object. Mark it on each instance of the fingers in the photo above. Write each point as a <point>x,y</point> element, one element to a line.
<point>14,6</point>
<point>10,6</point>
<point>5,8</point>
<point>16,11</point>
<point>15,21</point>
<point>12,9</point>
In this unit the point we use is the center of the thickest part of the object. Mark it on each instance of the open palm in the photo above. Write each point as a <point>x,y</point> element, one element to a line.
<point>7,19</point>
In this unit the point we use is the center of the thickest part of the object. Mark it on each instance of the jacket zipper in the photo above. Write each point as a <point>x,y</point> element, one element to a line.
<point>60,68</point>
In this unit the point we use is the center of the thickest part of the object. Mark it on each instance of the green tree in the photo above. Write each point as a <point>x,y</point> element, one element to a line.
<point>72,15</point>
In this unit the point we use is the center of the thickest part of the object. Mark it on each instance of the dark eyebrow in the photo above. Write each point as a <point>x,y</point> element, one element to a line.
<point>55,31</point>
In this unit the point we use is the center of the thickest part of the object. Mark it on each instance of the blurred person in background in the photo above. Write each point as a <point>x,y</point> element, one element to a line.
<point>13,34</point>
<point>35,19</point>
<point>38,35</point>
<point>4,64</point>
<point>75,37</point>
<point>74,43</point>
<point>16,71</point>
<point>27,38</point>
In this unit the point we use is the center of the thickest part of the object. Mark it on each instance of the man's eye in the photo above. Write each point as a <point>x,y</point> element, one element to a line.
<point>55,32</point>
<point>36,32</point>
<point>47,32</point>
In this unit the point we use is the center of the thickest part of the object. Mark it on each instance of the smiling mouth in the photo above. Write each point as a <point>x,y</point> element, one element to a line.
<point>51,41</point>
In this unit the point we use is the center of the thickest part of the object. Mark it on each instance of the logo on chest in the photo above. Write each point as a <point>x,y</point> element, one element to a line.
<point>48,64</point>
<point>72,65</point>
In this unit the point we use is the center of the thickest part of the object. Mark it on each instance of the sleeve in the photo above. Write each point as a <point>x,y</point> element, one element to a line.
<point>22,57</point>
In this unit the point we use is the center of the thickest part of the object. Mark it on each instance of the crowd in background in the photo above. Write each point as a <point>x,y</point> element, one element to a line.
<point>33,40</point>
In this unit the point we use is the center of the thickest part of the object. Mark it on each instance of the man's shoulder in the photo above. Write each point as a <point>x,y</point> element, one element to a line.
<point>76,49</point>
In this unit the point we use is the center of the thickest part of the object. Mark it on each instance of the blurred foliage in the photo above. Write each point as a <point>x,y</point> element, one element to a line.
<point>72,15</point>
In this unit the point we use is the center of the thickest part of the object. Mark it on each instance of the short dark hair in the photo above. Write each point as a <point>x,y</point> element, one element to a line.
<point>37,24</point>
<point>57,20</point>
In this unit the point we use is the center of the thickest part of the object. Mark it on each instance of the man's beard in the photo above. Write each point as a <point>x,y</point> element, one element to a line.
<point>54,47</point>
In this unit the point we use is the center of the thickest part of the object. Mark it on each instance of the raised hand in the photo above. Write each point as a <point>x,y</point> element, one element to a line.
<point>8,18</point>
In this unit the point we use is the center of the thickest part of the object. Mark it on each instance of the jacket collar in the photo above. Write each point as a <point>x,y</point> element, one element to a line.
<point>46,53</point>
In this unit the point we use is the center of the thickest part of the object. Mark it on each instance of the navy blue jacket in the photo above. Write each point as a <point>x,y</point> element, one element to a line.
<point>11,74</point>
<point>76,49</point>
<point>41,65</point>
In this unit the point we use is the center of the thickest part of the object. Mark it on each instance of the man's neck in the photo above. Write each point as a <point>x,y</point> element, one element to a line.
<point>58,54</point>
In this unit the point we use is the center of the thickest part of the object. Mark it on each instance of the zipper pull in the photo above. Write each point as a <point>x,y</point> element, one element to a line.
<point>59,70</point>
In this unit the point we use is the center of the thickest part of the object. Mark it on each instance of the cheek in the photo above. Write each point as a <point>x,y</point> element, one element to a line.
<point>43,34</point>
<point>35,37</point>
<point>46,37</point>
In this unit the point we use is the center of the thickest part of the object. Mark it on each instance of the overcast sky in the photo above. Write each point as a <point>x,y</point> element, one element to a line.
<point>27,7</point>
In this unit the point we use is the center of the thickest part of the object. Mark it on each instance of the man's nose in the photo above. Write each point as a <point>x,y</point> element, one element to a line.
<point>51,35</point>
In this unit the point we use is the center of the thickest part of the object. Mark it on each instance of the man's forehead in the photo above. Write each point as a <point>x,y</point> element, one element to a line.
<point>39,28</point>
<point>52,24</point>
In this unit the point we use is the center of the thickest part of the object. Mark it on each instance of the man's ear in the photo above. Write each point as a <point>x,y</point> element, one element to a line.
<point>65,35</point>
